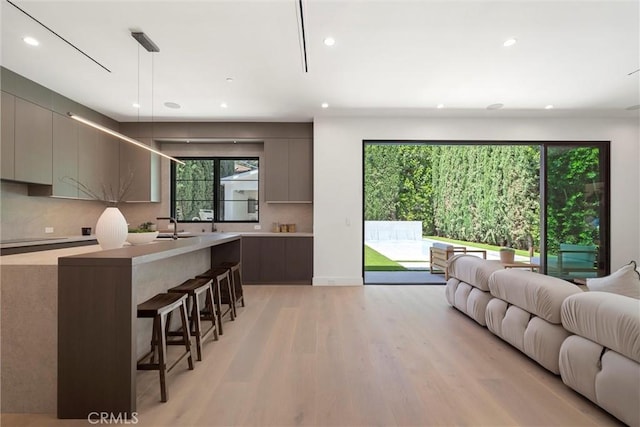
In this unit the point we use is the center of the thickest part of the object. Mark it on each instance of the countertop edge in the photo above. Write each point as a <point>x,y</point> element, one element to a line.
<point>141,254</point>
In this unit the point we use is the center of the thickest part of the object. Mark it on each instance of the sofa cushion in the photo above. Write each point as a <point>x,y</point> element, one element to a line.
<point>473,270</point>
<point>624,281</point>
<point>533,292</point>
<point>469,300</point>
<point>443,246</point>
<point>610,320</point>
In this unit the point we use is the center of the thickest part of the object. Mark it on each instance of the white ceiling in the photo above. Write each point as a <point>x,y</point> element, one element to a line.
<point>391,57</point>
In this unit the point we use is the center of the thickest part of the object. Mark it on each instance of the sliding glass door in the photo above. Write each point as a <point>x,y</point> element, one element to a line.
<point>548,200</point>
<point>576,210</point>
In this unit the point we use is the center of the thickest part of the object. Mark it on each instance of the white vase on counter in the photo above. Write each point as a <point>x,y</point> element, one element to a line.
<point>111,229</point>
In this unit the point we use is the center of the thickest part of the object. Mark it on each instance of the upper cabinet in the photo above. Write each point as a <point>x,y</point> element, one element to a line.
<point>98,162</point>
<point>7,141</point>
<point>288,170</point>
<point>33,160</point>
<point>140,169</point>
<point>65,156</point>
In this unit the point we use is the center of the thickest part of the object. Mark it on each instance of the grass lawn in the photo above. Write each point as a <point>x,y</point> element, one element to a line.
<point>375,261</point>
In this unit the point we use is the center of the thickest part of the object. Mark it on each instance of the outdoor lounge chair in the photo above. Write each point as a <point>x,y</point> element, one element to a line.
<point>440,253</point>
<point>573,261</point>
<point>576,259</point>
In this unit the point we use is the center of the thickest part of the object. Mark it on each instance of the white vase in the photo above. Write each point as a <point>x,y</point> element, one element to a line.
<point>111,229</point>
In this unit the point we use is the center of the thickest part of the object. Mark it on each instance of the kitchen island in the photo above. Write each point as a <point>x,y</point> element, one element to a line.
<point>99,336</point>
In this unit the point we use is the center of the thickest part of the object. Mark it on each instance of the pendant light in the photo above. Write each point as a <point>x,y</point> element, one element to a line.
<point>150,46</point>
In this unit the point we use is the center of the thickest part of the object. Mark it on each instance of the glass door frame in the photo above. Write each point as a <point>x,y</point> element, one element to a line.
<point>604,248</point>
<point>604,259</point>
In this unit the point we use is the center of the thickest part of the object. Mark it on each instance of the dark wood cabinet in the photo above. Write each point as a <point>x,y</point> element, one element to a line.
<point>272,260</point>
<point>288,170</point>
<point>33,143</point>
<point>299,259</point>
<point>7,140</point>
<point>277,260</point>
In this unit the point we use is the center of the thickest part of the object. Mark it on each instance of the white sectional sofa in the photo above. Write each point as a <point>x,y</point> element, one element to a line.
<point>591,339</point>
<point>525,312</point>
<point>602,360</point>
<point>468,286</point>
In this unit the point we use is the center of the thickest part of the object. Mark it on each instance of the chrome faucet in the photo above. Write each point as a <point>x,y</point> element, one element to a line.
<point>175,225</point>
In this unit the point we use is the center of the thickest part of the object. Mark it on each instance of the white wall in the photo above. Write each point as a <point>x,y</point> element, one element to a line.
<point>337,207</point>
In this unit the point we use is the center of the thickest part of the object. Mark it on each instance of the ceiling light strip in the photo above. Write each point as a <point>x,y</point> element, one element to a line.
<point>58,35</point>
<point>303,38</point>
<point>121,136</point>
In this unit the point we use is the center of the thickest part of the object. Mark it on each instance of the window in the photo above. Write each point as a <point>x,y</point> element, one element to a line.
<point>215,189</point>
<point>548,199</point>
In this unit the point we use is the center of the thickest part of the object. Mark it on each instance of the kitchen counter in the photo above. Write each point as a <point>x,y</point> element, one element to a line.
<point>69,319</point>
<point>48,257</point>
<point>33,244</point>
<point>157,250</point>
<point>273,234</point>
<point>97,297</point>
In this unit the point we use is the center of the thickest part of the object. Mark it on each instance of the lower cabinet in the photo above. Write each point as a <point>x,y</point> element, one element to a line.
<point>277,260</point>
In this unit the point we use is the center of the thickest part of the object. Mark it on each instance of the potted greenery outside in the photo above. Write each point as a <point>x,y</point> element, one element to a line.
<point>145,233</point>
<point>507,255</point>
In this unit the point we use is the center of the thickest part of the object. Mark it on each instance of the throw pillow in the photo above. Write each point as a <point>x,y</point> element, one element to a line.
<point>624,281</point>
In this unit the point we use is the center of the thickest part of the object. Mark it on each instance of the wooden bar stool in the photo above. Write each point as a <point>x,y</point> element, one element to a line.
<point>158,308</point>
<point>235,271</point>
<point>222,292</point>
<point>194,288</point>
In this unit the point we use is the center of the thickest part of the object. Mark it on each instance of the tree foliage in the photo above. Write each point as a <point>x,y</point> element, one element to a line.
<point>482,193</point>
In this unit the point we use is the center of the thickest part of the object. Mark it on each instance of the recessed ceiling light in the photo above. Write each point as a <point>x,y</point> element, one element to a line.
<point>135,105</point>
<point>633,107</point>
<point>223,105</point>
<point>31,41</point>
<point>229,79</point>
<point>549,107</point>
<point>329,41</point>
<point>324,105</point>
<point>509,42</point>
<point>440,106</point>
<point>495,106</point>
<point>173,105</point>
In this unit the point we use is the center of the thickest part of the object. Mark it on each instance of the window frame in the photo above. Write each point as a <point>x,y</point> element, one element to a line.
<point>216,189</point>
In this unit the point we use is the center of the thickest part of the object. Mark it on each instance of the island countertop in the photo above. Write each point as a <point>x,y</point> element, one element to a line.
<point>150,252</point>
<point>98,293</point>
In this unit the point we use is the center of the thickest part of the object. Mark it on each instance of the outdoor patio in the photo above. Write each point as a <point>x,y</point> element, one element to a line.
<point>402,242</point>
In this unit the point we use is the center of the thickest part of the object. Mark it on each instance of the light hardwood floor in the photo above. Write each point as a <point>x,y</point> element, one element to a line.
<point>355,356</point>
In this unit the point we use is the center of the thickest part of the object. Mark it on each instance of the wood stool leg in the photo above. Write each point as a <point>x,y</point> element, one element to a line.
<point>239,285</point>
<point>218,298</point>
<point>162,347</point>
<point>232,303</point>
<point>195,318</point>
<point>154,341</point>
<point>210,305</point>
<point>232,294</point>
<point>185,333</point>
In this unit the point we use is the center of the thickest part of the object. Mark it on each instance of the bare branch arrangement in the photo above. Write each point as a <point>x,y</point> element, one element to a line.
<point>107,194</point>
